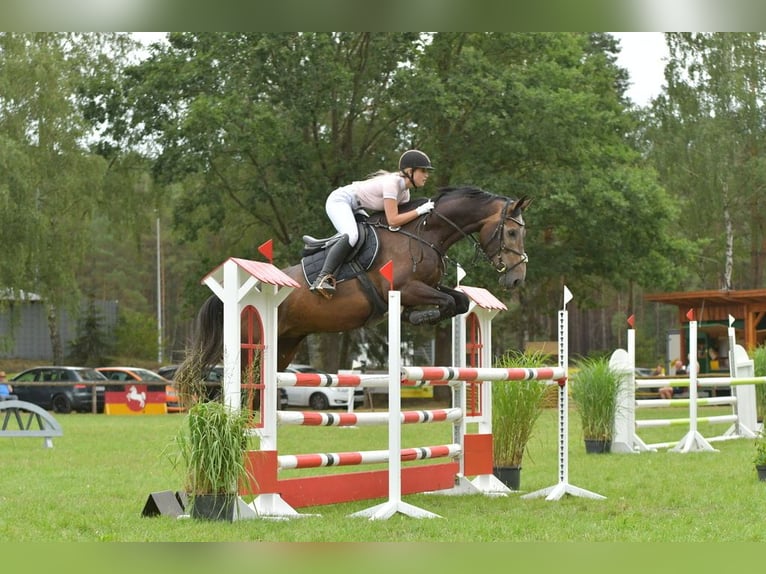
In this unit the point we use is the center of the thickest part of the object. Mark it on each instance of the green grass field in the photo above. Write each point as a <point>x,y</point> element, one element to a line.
<point>92,486</point>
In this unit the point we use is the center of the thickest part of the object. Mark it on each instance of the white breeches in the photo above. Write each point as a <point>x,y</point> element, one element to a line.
<point>340,207</point>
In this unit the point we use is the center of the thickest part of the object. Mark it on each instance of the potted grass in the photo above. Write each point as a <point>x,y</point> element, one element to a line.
<point>516,406</point>
<point>210,448</point>
<point>759,459</point>
<point>759,369</point>
<point>595,391</point>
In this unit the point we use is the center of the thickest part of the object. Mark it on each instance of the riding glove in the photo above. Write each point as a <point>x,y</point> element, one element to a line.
<point>425,208</point>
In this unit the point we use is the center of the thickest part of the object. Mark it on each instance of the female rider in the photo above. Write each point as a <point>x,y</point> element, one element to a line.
<point>382,191</point>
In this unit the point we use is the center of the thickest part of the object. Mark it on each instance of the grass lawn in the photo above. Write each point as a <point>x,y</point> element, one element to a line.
<point>92,486</point>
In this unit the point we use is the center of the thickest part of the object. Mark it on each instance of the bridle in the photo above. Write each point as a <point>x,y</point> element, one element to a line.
<point>498,265</point>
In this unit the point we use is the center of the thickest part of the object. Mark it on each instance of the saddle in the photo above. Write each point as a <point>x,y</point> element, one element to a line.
<point>358,261</point>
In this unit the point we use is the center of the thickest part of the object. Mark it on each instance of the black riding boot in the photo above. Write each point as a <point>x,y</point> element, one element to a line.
<point>325,281</point>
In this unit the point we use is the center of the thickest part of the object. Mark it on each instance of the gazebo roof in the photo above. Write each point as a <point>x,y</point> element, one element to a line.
<point>717,298</point>
<point>747,305</point>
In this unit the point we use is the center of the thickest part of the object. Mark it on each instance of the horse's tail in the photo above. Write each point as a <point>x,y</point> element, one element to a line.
<point>204,351</point>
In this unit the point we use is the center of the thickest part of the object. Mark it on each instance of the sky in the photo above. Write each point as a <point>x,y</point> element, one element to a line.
<point>643,54</point>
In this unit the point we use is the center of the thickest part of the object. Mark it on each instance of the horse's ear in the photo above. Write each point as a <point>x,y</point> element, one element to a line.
<point>522,203</point>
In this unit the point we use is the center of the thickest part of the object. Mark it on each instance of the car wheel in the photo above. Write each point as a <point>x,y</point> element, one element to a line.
<point>62,404</point>
<point>319,402</point>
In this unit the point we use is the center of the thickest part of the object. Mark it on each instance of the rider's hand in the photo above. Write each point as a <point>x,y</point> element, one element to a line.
<point>425,208</point>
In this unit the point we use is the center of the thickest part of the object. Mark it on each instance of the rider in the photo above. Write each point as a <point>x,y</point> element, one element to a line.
<point>382,191</point>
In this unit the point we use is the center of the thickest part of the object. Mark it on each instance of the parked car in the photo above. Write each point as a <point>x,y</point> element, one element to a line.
<point>154,382</point>
<point>68,389</point>
<point>319,398</point>
<point>213,381</point>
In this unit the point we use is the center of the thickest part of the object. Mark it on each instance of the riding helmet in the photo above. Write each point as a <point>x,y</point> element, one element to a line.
<point>414,158</point>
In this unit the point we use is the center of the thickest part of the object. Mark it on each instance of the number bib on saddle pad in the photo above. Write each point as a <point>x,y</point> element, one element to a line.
<point>358,262</point>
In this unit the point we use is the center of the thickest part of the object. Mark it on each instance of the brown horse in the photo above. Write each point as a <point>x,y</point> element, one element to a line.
<point>417,250</point>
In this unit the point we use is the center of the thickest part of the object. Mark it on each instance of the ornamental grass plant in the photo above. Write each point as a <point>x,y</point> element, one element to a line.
<point>211,448</point>
<point>759,458</point>
<point>759,367</point>
<point>595,391</point>
<point>516,406</point>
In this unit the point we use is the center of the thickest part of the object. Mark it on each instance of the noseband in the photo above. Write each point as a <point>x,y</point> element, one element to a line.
<point>499,266</point>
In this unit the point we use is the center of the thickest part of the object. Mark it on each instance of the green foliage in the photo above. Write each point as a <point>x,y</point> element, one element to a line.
<point>516,406</point>
<point>92,345</point>
<point>595,390</point>
<point>135,335</point>
<point>759,369</point>
<point>707,143</point>
<point>759,458</point>
<point>211,447</point>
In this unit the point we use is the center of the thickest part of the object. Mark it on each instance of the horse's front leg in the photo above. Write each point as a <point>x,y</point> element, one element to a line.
<point>416,295</point>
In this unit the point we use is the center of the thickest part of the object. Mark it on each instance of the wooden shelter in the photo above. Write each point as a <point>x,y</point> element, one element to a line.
<point>712,310</point>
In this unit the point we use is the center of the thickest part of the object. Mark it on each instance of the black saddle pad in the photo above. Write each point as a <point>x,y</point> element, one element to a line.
<point>363,257</point>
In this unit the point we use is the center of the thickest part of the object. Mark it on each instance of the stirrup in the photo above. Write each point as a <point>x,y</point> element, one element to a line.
<point>324,285</point>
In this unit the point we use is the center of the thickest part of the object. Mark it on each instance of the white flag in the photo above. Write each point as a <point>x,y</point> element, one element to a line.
<point>731,321</point>
<point>567,295</point>
<point>460,274</point>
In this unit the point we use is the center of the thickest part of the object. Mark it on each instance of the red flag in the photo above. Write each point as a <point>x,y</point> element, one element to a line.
<point>690,314</point>
<point>266,249</point>
<point>631,321</point>
<point>388,272</point>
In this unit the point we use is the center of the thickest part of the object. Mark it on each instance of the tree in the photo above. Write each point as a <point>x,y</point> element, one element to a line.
<point>708,145</point>
<point>49,185</point>
<point>91,345</point>
<point>544,114</point>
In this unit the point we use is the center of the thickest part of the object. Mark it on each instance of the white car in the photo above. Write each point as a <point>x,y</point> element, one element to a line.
<point>319,398</point>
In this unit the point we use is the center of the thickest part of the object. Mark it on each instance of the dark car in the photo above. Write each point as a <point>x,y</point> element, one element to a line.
<point>214,380</point>
<point>61,389</point>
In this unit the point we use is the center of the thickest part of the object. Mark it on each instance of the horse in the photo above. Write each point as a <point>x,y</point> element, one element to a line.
<point>417,250</point>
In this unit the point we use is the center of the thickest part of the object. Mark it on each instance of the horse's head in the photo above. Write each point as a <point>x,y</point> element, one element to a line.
<point>502,239</point>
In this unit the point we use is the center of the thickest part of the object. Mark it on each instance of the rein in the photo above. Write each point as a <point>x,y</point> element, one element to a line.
<point>500,267</point>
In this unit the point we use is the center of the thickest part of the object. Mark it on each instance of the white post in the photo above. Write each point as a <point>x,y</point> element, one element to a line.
<point>159,294</point>
<point>231,337</point>
<point>693,441</point>
<point>623,362</point>
<point>563,487</point>
<point>394,504</point>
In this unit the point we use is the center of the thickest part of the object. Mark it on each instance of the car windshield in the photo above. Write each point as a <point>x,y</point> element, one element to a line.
<point>147,375</point>
<point>90,375</point>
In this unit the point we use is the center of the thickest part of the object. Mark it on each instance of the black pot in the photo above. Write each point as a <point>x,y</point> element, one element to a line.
<point>510,476</point>
<point>214,506</point>
<point>597,446</point>
<point>761,470</point>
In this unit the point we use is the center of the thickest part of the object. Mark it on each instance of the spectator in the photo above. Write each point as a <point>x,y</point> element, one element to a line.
<point>668,392</point>
<point>5,388</point>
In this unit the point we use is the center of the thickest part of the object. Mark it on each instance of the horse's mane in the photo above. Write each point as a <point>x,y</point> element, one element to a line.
<point>474,194</point>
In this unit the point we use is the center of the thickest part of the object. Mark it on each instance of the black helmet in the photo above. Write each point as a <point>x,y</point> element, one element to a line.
<point>414,159</point>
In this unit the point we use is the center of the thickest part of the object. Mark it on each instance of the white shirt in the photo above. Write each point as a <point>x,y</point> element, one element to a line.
<point>370,193</point>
